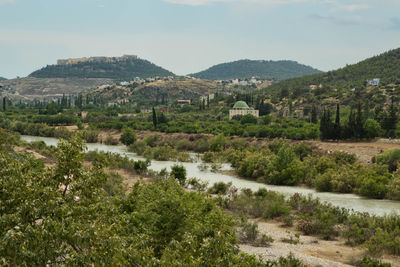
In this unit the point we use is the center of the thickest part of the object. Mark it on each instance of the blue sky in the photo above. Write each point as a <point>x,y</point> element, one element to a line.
<point>187,36</point>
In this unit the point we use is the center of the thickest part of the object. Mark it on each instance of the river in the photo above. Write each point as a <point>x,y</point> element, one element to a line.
<point>349,201</point>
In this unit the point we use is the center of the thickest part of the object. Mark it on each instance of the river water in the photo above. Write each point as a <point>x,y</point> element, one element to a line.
<point>349,201</point>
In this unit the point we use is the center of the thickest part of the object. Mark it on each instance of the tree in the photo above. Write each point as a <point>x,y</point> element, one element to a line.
<point>390,119</point>
<point>179,173</point>
<point>372,128</point>
<point>248,119</point>
<point>4,104</point>
<point>128,137</point>
<point>326,125</point>
<point>314,115</point>
<point>155,122</point>
<point>359,130</point>
<point>336,127</point>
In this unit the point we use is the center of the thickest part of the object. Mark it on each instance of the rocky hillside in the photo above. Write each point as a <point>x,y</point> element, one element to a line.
<point>160,91</point>
<point>31,88</point>
<point>243,69</point>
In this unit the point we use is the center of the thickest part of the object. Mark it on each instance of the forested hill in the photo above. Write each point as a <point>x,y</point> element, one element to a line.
<point>2,79</point>
<point>277,70</point>
<point>110,68</point>
<point>386,67</point>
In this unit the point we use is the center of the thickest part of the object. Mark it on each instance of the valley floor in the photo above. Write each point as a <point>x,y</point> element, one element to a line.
<point>310,250</point>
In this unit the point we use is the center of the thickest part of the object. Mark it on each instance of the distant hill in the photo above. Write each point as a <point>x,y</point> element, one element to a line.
<point>277,70</point>
<point>2,79</point>
<point>116,68</point>
<point>386,67</point>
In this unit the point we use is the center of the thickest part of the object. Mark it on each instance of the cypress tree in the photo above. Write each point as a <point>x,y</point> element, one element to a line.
<point>351,125</point>
<point>359,122</point>
<point>314,116</point>
<point>4,104</point>
<point>154,118</point>
<point>326,125</point>
<point>336,127</point>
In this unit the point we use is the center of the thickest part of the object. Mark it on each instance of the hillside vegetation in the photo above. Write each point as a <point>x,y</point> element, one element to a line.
<point>385,66</point>
<point>160,91</point>
<point>125,69</point>
<point>276,70</point>
<point>31,88</point>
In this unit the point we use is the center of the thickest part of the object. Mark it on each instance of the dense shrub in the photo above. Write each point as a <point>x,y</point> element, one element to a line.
<point>128,137</point>
<point>391,158</point>
<point>179,173</point>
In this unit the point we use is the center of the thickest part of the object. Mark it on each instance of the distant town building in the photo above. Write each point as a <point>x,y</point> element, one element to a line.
<point>145,110</point>
<point>241,108</point>
<point>209,97</point>
<point>374,82</point>
<point>183,101</point>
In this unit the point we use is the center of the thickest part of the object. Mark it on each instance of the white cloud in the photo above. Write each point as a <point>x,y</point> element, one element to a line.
<point>204,2</point>
<point>353,7</point>
<point>3,2</point>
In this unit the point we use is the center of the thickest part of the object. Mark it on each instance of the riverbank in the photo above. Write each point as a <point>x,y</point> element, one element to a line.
<point>364,150</point>
<point>348,201</point>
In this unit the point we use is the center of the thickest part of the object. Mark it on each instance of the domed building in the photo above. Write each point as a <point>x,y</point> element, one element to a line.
<point>241,108</point>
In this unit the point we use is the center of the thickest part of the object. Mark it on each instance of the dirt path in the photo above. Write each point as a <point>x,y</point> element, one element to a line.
<point>365,151</point>
<point>311,250</point>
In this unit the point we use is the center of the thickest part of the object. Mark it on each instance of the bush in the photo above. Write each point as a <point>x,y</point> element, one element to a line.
<point>393,188</point>
<point>248,119</point>
<point>275,209</point>
<point>220,188</point>
<point>90,136</point>
<point>128,137</point>
<point>370,262</point>
<point>391,158</point>
<point>218,143</point>
<point>341,157</point>
<point>111,141</point>
<point>179,173</point>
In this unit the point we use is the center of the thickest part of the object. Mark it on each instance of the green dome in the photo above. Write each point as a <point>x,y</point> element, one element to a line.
<point>241,105</point>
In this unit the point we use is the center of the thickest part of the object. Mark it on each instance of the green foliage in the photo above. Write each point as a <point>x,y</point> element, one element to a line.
<point>389,157</point>
<point>220,188</point>
<point>128,137</point>
<point>350,76</point>
<point>277,70</point>
<point>179,173</point>
<point>370,262</point>
<point>218,143</point>
<point>372,128</point>
<point>248,119</point>
<point>285,168</point>
<point>90,136</point>
<point>74,216</point>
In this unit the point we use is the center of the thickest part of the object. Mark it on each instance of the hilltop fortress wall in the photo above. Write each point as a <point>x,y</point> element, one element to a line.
<point>71,61</point>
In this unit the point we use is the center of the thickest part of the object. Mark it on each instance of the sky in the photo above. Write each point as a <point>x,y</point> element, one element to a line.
<point>187,36</point>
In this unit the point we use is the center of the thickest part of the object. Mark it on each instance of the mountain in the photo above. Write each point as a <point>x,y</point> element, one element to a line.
<point>276,70</point>
<point>2,79</point>
<point>386,67</point>
<point>116,68</point>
